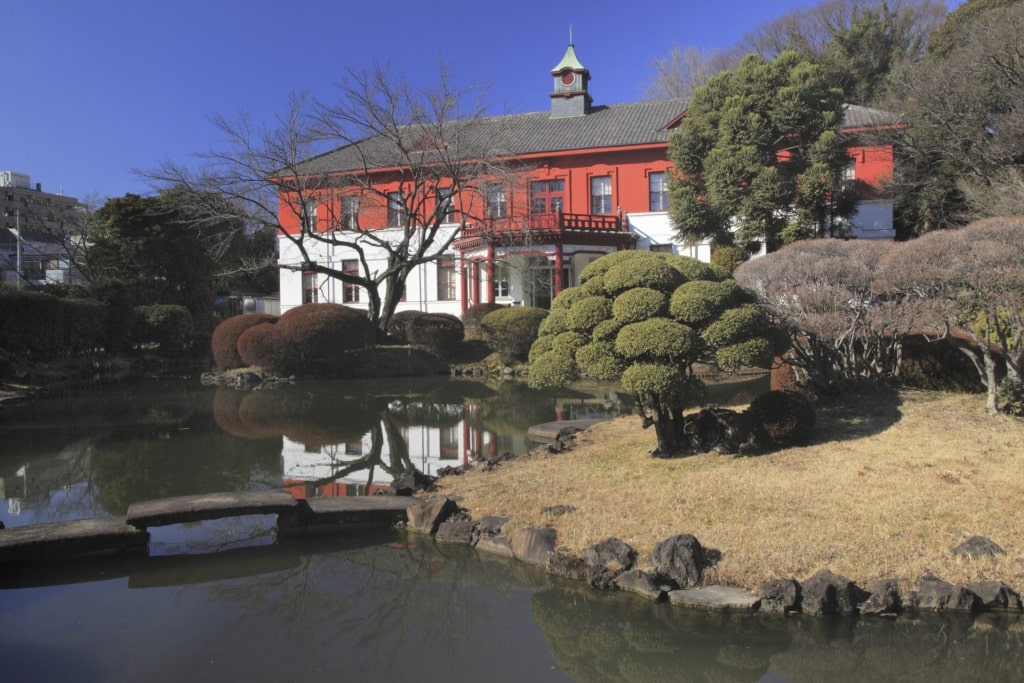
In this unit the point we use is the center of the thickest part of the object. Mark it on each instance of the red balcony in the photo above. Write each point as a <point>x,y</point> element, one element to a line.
<point>542,229</point>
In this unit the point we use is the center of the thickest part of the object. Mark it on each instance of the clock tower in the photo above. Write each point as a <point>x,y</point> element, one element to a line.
<point>570,96</point>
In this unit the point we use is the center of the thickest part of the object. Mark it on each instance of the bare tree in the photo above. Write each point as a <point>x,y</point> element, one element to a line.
<point>859,35</point>
<point>687,68</point>
<point>970,284</point>
<point>422,158</point>
<point>822,291</point>
<point>811,30</point>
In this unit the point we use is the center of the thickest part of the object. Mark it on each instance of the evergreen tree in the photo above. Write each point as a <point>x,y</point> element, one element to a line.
<point>760,158</point>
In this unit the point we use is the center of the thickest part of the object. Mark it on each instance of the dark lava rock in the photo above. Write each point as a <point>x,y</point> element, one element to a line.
<point>828,593</point>
<point>932,593</point>
<point>564,563</point>
<point>607,559</point>
<point>883,600</point>
<point>642,583</point>
<point>780,596</point>
<point>407,483</point>
<point>977,546</point>
<point>458,528</point>
<point>680,558</point>
<point>996,595</point>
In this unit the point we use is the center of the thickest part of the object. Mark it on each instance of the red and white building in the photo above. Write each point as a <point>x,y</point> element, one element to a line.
<point>597,183</point>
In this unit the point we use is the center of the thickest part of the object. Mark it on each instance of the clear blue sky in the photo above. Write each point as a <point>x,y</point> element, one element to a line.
<point>96,88</point>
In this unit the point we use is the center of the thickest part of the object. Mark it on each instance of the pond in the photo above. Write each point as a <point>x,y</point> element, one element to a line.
<point>376,605</point>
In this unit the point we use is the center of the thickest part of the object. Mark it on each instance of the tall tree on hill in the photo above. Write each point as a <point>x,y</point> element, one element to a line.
<point>759,158</point>
<point>951,33</point>
<point>858,40</point>
<point>960,156</point>
<point>272,176</point>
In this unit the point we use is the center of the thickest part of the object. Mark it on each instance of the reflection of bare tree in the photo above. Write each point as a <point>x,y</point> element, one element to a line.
<point>398,463</point>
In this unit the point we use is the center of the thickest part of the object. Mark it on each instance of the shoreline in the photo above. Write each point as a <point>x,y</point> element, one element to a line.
<point>885,494</point>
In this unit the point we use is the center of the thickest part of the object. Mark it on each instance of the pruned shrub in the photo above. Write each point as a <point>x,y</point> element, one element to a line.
<point>309,339</point>
<point>699,300</point>
<point>397,328</point>
<point>38,329</point>
<point>597,360</point>
<point>437,333</point>
<point>653,273</point>
<point>472,316</point>
<point>566,298</point>
<point>736,324</point>
<point>84,325</point>
<point>168,325</point>
<point>587,312</point>
<point>224,342</point>
<point>552,369</point>
<point>779,419</point>
<point>728,257</point>
<point>568,343</point>
<point>657,338</point>
<point>638,304</point>
<point>509,332</point>
<point>638,340</point>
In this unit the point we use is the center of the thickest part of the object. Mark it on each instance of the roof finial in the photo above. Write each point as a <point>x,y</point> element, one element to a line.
<point>570,34</point>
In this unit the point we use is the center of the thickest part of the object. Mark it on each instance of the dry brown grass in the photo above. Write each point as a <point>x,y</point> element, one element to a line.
<point>891,485</point>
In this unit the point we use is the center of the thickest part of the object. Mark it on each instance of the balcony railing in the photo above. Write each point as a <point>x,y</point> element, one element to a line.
<point>540,226</point>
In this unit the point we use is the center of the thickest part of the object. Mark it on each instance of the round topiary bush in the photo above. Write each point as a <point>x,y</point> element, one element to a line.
<point>397,328</point>
<point>638,304</point>
<point>311,339</point>
<point>438,333</point>
<point>472,316</point>
<point>509,332</point>
<point>779,419</point>
<point>224,342</point>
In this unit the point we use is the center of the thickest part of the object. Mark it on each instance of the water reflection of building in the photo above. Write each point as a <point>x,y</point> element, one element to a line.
<point>368,465</point>
<point>49,487</point>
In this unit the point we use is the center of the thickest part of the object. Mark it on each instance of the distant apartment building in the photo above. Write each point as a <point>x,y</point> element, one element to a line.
<point>38,231</point>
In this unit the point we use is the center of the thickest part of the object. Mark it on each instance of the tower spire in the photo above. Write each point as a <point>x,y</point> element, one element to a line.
<point>570,96</point>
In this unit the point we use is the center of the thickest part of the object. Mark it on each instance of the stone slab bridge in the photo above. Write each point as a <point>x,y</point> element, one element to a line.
<point>128,535</point>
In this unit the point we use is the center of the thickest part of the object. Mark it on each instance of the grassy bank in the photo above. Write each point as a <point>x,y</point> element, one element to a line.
<point>891,483</point>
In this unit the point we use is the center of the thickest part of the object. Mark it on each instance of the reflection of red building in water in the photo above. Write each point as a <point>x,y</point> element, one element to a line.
<point>332,470</point>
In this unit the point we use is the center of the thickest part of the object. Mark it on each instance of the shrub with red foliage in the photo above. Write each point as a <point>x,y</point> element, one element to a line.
<point>309,340</point>
<point>438,333</point>
<point>224,342</point>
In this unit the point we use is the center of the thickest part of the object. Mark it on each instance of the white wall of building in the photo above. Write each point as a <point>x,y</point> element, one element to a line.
<point>873,221</point>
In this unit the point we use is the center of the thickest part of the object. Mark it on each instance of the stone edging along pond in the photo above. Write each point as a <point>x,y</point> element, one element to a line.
<point>678,565</point>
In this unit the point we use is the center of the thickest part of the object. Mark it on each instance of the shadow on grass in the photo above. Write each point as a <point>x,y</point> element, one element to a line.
<point>857,413</point>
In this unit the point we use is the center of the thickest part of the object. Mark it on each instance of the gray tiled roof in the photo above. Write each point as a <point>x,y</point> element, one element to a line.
<point>856,116</point>
<point>619,125</point>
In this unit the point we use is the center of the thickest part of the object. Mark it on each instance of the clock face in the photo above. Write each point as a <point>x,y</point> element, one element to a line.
<point>568,78</point>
